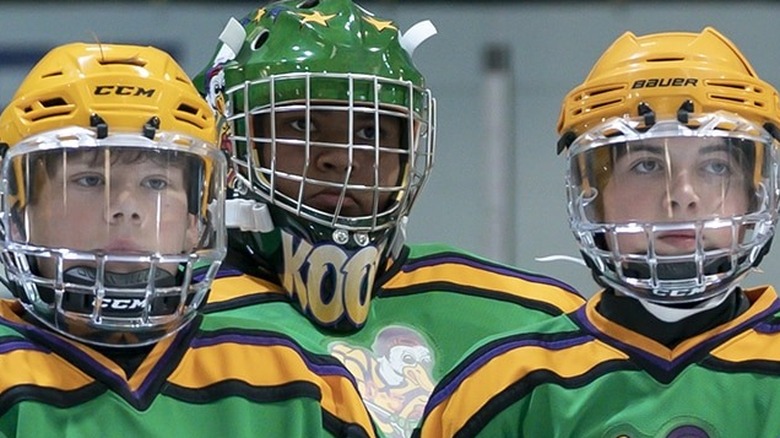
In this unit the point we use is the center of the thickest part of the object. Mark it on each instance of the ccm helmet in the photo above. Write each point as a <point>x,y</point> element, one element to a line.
<point>113,189</point>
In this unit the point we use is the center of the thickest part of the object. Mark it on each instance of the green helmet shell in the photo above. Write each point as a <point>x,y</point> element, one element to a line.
<point>336,37</point>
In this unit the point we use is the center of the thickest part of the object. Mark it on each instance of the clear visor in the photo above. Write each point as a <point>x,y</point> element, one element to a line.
<point>676,208</point>
<point>672,179</point>
<point>109,200</point>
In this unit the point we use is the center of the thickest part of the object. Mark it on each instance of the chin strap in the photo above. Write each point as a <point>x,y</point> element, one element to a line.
<point>248,215</point>
<point>561,258</point>
<point>673,314</point>
<point>138,279</point>
<point>398,239</point>
<point>118,305</point>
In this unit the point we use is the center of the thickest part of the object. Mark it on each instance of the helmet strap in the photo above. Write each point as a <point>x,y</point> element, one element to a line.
<point>668,313</point>
<point>138,279</point>
<point>248,215</point>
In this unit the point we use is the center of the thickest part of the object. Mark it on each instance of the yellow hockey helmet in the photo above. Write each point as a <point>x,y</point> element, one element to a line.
<point>658,74</point>
<point>125,86</point>
<point>91,126</point>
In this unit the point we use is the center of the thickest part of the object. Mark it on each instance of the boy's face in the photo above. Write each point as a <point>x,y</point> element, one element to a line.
<point>118,205</point>
<point>677,180</point>
<point>331,163</point>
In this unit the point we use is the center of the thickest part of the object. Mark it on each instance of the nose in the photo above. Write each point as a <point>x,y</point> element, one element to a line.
<point>123,207</point>
<point>336,159</point>
<point>682,197</point>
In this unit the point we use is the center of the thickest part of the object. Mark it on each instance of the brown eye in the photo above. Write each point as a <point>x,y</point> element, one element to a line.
<point>300,125</point>
<point>368,133</point>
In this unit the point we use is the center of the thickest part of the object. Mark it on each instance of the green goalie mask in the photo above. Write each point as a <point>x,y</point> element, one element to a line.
<point>330,130</point>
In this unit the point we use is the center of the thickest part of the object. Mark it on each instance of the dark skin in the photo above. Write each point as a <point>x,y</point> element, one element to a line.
<point>328,163</point>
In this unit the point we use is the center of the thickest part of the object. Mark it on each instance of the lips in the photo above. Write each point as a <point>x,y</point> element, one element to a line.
<point>328,200</point>
<point>685,240</point>
<point>122,246</point>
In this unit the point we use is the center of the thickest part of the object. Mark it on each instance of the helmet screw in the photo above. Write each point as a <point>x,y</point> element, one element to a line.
<point>341,237</point>
<point>361,239</point>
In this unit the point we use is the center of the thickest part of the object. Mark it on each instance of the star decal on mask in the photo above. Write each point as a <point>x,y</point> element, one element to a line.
<point>380,25</point>
<point>258,15</point>
<point>316,17</point>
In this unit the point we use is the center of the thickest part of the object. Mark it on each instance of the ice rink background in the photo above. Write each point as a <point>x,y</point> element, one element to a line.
<point>551,45</point>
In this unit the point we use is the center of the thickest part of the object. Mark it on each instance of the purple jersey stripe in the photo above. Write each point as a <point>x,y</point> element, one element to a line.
<point>501,270</point>
<point>446,391</point>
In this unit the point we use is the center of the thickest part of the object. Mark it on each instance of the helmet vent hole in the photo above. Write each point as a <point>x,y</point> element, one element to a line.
<point>607,103</point>
<point>127,61</point>
<point>308,4</point>
<point>52,74</point>
<point>666,59</point>
<point>189,114</point>
<point>57,101</point>
<point>728,98</point>
<point>600,91</point>
<point>260,40</point>
<point>736,86</point>
<point>44,109</point>
<point>187,109</point>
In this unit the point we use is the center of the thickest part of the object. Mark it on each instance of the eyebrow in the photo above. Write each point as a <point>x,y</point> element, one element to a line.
<point>658,150</point>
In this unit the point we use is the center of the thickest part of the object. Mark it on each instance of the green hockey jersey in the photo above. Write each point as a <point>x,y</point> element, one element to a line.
<point>431,306</point>
<point>582,375</point>
<point>217,377</point>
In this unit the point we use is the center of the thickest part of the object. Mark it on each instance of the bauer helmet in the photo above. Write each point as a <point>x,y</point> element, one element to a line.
<point>672,166</point>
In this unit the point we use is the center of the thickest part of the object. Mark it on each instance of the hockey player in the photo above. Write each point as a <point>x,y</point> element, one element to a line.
<point>112,221</point>
<point>331,133</point>
<point>671,145</point>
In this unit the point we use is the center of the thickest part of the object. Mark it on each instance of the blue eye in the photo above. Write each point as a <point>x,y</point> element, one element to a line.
<point>647,166</point>
<point>155,183</point>
<point>717,167</point>
<point>89,180</point>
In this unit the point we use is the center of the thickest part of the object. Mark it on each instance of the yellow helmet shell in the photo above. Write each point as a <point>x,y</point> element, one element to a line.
<point>663,71</point>
<point>124,85</point>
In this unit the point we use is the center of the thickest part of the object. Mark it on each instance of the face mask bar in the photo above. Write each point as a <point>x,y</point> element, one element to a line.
<point>291,93</point>
<point>86,273</point>
<point>674,213</point>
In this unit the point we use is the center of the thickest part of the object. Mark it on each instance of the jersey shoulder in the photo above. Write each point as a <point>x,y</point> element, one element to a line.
<point>443,268</point>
